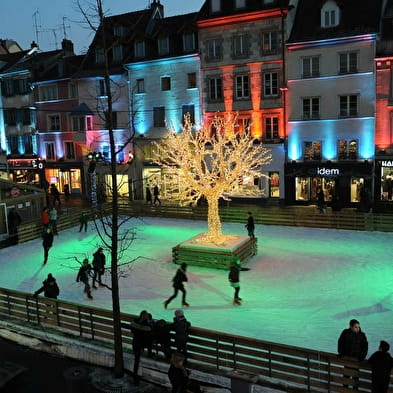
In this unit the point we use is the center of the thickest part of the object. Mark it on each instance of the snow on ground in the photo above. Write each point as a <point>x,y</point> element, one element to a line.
<point>303,286</point>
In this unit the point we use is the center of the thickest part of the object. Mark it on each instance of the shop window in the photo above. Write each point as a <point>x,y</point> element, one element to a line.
<point>69,150</point>
<point>302,188</point>
<point>190,110</point>
<point>312,151</point>
<point>242,125</point>
<point>165,83</point>
<point>387,184</point>
<point>159,116</point>
<point>274,184</point>
<point>242,86</point>
<point>271,127</point>
<point>357,185</point>
<point>191,80</point>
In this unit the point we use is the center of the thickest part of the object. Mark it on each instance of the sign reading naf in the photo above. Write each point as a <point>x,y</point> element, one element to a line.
<point>328,171</point>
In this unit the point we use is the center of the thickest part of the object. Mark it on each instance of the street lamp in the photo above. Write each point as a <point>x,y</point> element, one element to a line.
<point>93,158</point>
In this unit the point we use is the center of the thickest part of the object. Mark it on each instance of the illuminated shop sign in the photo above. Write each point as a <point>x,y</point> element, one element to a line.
<point>328,171</point>
<point>388,163</point>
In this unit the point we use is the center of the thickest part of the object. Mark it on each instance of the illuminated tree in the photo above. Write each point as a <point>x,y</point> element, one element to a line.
<point>211,162</point>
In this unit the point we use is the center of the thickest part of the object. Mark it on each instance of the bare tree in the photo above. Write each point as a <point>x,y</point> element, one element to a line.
<point>212,163</point>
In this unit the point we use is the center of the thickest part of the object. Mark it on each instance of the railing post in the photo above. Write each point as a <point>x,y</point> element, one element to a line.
<point>270,362</point>
<point>80,321</point>
<point>308,374</point>
<point>27,308</point>
<point>91,325</point>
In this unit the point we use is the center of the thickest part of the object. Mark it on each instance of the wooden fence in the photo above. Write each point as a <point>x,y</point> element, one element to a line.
<point>281,366</point>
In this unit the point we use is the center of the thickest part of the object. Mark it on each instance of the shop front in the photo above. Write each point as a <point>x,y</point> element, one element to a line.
<point>343,183</point>
<point>67,178</point>
<point>383,190</point>
<point>28,171</point>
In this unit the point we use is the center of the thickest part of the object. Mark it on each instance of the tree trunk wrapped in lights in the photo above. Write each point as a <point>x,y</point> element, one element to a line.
<point>212,163</point>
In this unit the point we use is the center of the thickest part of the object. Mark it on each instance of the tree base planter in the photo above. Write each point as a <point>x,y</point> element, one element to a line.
<point>198,252</point>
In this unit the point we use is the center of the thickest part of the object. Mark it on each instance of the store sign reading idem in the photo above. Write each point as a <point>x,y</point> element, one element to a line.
<point>328,171</point>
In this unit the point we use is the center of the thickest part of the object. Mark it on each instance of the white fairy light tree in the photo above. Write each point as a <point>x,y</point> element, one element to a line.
<point>211,162</point>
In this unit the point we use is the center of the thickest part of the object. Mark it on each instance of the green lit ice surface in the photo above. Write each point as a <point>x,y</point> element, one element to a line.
<point>303,287</point>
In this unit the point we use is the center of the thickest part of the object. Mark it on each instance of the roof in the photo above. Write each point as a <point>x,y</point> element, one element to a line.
<point>357,17</point>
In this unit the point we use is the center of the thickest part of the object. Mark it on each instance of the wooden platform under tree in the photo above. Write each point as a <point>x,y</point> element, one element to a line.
<point>196,253</point>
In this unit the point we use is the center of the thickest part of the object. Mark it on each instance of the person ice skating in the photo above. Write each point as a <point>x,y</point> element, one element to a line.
<point>14,221</point>
<point>83,276</point>
<point>156,193</point>
<point>98,266</point>
<point>83,219</point>
<point>55,194</point>
<point>352,344</point>
<point>250,225</point>
<point>381,366</point>
<point>234,280</point>
<point>141,329</point>
<point>149,200</point>
<point>181,328</point>
<point>45,217</point>
<point>53,220</point>
<point>47,241</point>
<point>49,287</point>
<point>178,280</point>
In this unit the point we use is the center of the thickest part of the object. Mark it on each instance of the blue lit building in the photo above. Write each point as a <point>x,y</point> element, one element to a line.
<point>331,101</point>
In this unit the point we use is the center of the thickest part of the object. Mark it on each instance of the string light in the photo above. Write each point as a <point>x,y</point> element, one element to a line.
<point>210,163</point>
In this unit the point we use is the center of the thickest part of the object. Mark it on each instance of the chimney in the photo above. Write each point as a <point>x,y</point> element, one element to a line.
<point>33,45</point>
<point>156,5</point>
<point>68,47</point>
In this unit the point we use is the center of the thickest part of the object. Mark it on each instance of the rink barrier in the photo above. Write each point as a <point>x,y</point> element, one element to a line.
<point>285,367</point>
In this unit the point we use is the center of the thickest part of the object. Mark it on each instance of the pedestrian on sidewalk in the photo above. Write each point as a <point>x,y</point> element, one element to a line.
<point>83,276</point>
<point>83,219</point>
<point>98,266</point>
<point>181,327</point>
<point>53,220</point>
<point>45,217</point>
<point>55,194</point>
<point>141,329</point>
<point>234,279</point>
<point>250,225</point>
<point>156,193</point>
<point>49,287</point>
<point>148,196</point>
<point>47,241</point>
<point>178,285</point>
<point>381,365</point>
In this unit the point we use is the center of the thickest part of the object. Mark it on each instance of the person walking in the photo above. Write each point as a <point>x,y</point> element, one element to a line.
<point>352,345</point>
<point>250,225</point>
<point>148,196</point>
<point>156,193</point>
<point>55,194</point>
<point>53,220</point>
<point>234,280</point>
<point>181,328</point>
<point>141,329</point>
<point>83,219</point>
<point>321,201</point>
<point>47,242</point>
<point>178,285</point>
<point>14,221</point>
<point>45,217</point>
<point>49,287</point>
<point>179,376</point>
<point>381,366</point>
<point>98,266</point>
<point>83,276</point>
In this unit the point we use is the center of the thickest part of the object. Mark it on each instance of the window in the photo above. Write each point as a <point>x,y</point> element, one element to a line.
<point>102,88</point>
<point>242,86</point>
<point>48,93</point>
<point>69,149</point>
<point>107,120</point>
<point>8,88</point>
<point>13,144</point>
<point>100,56</point>
<point>53,123</point>
<point>22,86</point>
<point>270,86</point>
<point>89,123</point>
<point>348,105</point>
<point>28,143</point>
<point>269,42</point>
<point>78,123</point>
<point>215,89</point>
<point>10,116</point>
<point>159,116</point>
<point>50,151</point>
<point>347,150</point>
<point>271,127</point>
<point>215,5</point>
<point>240,3</point>
<point>117,53</point>
<point>26,117</point>
<point>72,90</point>
<point>214,49</point>
<point>348,62</point>
<point>330,14</point>
<point>310,108</point>
<point>139,48</point>
<point>240,45</point>
<point>242,125</point>
<point>274,184</point>
<point>310,66</point>
<point>312,150</point>
<point>190,110</point>
<point>118,31</point>
<point>140,86</point>
<point>188,41</point>
<point>191,80</point>
<point>165,83</point>
<point>163,46</point>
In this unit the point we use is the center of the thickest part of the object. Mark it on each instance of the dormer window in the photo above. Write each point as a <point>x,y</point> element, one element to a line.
<point>330,14</point>
<point>240,4</point>
<point>215,5</point>
<point>118,31</point>
<point>163,45</point>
